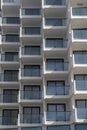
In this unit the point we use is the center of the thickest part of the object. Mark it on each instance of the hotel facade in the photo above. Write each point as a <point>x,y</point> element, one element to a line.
<point>43,65</point>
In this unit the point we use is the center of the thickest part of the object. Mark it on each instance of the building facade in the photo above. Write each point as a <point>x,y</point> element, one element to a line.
<point>43,65</point>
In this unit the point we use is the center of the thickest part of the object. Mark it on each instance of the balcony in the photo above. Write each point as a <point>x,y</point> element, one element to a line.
<point>79,15</point>
<point>31,16</point>
<point>8,121</point>
<point>10,38</point>
<point>80,34</point>
<point>57,91</point>
<point>31,31</point>
<point>30,12</point>
<point>9,60</point>
<point>11,7</point>
<point>10,2</point>
<point>8,77</point>
<point>81,11</point>
<point>10,20</point>
<point>57,69</point>
<point>31,34</point>
<point>54,43</point>
<point>28,75</point>
<point>31,73</point>
<point>54,7</point>
<point>80,61</point>
<point>31,3</point>
<point>55,27</point>
<point>55,22</point>
<point>58,116</point>
<point>78,39</point>
<point>30,119</point>
<point>10,24</point>
<point>10,41</point>
<point>61,66</point>
<point>8,98</point>
<point>33,53</point>
<point>30,96</point>
<point>81,113</point>
<point>81,85</point>
<point>55,46</point>
<point>55,2</point>
<point>80,58</point>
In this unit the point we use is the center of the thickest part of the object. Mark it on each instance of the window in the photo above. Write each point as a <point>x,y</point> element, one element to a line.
<point>32,115</point>
<point>32,128</point>
<point>80,33</point>
<point>55,107</point>
<point>10,113</point>
<point>80,82</point>
<point>32,50</point>
<point>55,64</point>
<point>10,116</point>
<point>65,127</point>
<point>80,57</point>
<point>80,77</point>
<point>32,92</point>
<point>81,107</point>
<point>56,43</point>
<point>55,2</point>
<point>11,20</point>
<point>55,83</point>
<point>81,103</point>
<point>32,70</point>
<point>81,127</point>
<point>31,11</point>
<point>10,38</point>
<point>11,75</point>
<point>32,88</point>
<point>81,11</point>
<point>31,110</point>
<point>31,30</point>
<point>55,22</point>
<point>55,87</point>
<point>10,95</point>
<point>11,56</point>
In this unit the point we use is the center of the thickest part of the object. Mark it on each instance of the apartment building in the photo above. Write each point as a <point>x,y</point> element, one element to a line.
<point>43,65</point>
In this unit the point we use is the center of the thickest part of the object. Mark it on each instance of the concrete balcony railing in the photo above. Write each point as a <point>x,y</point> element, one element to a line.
<point>58,116</point>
